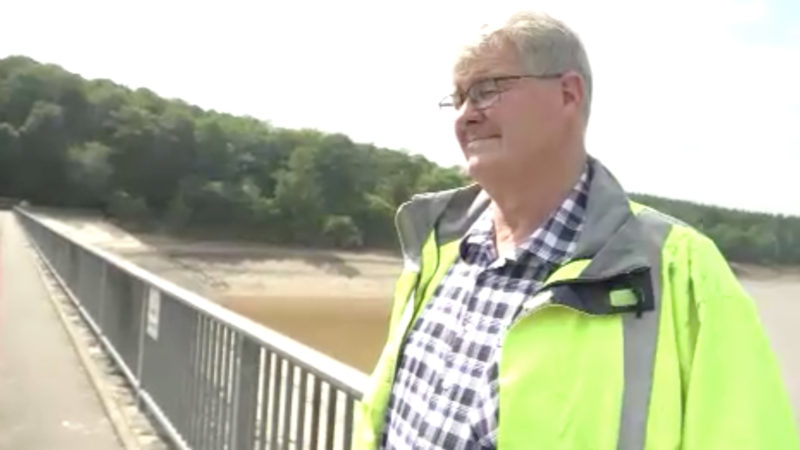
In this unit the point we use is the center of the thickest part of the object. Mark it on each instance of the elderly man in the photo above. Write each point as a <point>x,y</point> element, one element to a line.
<point>542,309</point>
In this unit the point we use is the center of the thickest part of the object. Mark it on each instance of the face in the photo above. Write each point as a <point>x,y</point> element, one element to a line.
<point>525,125</point>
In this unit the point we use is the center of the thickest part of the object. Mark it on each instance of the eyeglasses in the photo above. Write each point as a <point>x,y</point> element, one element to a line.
<point>484,93</point>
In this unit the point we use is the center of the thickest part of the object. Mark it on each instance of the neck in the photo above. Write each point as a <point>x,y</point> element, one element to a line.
<point>522,203</point>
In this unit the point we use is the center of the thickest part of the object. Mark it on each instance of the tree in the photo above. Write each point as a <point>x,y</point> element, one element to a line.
<point>375,217</point>
<point>341,231</point>
<point>130,209</point>
<point>89,171</point>
<point>440,179</point>
<point>9,160</point>
<point>67,141</point>
<point>43,157</point>
<point>340,173</point>
<point>299,196</point>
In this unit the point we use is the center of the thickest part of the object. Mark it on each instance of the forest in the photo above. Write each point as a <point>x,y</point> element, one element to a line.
<point>154,163</point>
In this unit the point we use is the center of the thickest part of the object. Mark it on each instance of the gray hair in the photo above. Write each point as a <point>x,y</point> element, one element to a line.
<point>544,44</point>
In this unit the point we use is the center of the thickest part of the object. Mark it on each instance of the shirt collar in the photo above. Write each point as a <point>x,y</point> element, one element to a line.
<point>551,242</point>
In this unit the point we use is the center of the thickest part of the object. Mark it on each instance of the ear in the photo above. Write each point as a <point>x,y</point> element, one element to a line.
<point>573,91</point>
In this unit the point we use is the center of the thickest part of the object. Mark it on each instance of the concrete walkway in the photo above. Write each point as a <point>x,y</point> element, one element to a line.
<point>46,400</point>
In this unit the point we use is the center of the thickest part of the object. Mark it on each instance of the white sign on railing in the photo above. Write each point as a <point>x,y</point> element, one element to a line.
<point>153,312</point>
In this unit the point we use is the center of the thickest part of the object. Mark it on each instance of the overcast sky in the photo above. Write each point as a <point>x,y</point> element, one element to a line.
<point>694,99</point>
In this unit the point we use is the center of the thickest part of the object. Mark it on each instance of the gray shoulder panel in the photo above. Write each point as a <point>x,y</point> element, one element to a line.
<point>640,337</point>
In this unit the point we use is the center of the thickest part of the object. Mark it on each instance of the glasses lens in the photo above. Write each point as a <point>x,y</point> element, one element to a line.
<point>483,94</point>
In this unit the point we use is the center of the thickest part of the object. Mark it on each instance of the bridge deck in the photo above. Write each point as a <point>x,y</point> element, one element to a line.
<point>46,399</point>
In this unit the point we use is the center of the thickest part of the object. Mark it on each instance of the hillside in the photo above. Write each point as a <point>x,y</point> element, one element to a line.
<point>153,163</point>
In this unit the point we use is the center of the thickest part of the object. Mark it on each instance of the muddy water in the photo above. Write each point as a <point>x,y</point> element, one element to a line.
<point>352,331</point>
<point>778,302</point>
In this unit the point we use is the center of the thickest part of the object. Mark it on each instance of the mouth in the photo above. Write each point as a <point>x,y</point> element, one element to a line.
<point>472,139</point>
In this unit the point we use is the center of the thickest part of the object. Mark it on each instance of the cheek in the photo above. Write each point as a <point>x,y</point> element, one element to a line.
<point>459,132</point>
<point>529,125</point>
<point>516,130</point>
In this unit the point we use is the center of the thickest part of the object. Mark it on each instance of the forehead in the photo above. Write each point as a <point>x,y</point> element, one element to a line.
<point>486,61</point>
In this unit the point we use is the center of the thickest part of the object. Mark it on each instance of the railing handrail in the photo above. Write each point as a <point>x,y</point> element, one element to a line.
<point>342,376</point>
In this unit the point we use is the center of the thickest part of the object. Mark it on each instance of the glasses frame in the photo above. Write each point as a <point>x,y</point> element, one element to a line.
<point>456,100</point>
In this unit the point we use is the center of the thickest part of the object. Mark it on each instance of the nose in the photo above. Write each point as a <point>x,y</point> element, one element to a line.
<point>468,114</point>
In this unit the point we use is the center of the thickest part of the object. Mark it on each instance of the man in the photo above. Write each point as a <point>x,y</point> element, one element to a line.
<point>541,308</point>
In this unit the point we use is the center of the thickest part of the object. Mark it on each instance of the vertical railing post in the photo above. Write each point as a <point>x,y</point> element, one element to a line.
<point>245,401</point>
<point>101,296</point>
<point>140,351</point>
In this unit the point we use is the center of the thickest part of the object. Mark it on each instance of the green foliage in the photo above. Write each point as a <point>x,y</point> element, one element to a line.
<point>9,157</point>
<point>43,139</point>
<point>66,141</point>
<point>341,231</point>
<point>69,141</point>
<point>130,209</point>
<point>298,194</point>
<point>89,173</point>
<point>742,236</point>
<point>178,213</point>
<point>376,216</point>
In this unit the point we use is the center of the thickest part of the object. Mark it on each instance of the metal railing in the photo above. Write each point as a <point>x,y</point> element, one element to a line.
<point>212,378</point>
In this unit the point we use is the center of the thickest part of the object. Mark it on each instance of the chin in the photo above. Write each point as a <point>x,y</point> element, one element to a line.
<point>483,167</point>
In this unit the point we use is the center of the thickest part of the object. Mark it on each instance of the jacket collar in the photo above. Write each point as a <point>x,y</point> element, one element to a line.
<point>608,225</point>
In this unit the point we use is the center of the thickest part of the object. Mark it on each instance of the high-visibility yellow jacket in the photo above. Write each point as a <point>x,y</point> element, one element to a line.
<point>645,339</point>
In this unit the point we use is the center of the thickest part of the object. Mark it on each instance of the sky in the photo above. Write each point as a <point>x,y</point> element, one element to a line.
<point>693,99</point>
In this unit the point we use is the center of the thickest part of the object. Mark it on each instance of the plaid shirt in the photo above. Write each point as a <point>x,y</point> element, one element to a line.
<point>445,394</point>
